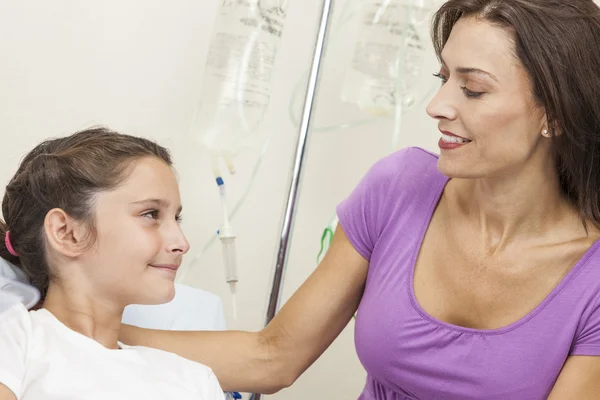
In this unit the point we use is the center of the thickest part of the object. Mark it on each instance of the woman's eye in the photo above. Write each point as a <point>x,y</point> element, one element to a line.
<point>441,77</point>
<point>470,93</point>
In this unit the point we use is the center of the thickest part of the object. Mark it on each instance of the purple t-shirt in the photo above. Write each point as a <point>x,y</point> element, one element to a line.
<point>410,355</point>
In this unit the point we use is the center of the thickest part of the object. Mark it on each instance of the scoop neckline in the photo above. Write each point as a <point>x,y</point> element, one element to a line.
<point>514,325</point>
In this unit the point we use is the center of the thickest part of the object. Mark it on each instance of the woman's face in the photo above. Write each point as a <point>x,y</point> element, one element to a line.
<point>139,244</point>
<point>486,100</point>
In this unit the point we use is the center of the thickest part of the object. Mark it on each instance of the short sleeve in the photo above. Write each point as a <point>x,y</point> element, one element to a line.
<point>15,334</point>
<point>587,341</point>
<point>360,213</point>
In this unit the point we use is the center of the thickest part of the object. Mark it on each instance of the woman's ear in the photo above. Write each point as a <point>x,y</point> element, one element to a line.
<point>549,129</point>
<point>64,234</point>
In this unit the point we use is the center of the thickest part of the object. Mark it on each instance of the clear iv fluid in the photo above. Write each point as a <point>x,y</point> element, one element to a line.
<point>388,36</point>
<point>238,75</point>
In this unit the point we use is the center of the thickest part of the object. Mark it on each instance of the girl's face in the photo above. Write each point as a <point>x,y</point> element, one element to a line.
<point>138,244</point>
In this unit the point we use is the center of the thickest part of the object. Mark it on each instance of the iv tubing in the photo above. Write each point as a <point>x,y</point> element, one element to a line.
<point>227,239</point>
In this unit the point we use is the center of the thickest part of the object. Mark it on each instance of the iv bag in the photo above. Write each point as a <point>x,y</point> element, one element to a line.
<point>238,76</point>
<point>389,44</point>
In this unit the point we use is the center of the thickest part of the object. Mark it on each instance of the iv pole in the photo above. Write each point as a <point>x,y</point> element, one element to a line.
<point>288,219</point>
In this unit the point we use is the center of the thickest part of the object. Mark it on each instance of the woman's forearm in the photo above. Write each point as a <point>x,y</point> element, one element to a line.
<point>240,360</point>
<point>272,359</point>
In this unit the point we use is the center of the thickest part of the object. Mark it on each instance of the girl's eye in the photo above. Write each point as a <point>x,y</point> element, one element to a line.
<point>153,214</point>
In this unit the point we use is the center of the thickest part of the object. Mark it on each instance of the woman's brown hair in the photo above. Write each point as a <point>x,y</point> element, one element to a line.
<point>557,43</point>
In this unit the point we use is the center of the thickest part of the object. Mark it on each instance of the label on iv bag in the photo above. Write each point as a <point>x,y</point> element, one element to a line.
<point>389,43</point>
<point>237,80</point>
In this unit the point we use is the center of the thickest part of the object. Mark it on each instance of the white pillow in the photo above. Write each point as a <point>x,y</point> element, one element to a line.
<point>14,287</point>
<point>191,310</point>
<point>7,299</point>
<point>11,271</point>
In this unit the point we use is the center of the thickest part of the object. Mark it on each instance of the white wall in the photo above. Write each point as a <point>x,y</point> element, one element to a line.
<point>136,66</point>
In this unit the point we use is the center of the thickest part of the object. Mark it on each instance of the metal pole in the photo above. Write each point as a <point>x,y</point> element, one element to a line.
<point>288,219</point>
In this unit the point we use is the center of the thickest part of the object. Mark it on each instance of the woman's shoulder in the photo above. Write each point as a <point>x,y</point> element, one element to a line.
<point>403,171</point>
<point>408,160</point>
<point>409,171</point>
<point>587,268</point>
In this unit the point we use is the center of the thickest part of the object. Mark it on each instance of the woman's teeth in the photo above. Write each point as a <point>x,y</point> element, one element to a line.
<point>454,139</point>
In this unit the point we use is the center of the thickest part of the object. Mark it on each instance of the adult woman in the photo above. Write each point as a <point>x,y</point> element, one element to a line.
<point>92,219</point>
<point>479,278</point>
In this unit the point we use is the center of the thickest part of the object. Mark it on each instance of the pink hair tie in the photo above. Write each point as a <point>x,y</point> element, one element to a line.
<point>9,246</point>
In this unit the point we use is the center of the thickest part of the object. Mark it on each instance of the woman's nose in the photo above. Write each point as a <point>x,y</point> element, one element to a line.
<point>442,106</point>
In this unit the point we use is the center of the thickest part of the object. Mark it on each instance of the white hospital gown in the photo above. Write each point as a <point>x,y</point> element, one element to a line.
<point>42,359</point>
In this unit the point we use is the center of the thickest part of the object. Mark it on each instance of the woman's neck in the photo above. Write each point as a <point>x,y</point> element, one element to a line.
<point>81,312</point>
<point>521,207</point>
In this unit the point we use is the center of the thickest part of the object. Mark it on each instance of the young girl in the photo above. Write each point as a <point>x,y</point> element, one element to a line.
<point>93,220</point>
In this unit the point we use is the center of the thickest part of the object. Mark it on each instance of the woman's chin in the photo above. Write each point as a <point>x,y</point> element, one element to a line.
<point>457,169</point>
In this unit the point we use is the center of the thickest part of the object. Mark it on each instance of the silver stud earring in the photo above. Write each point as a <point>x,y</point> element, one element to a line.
<point>545,133</point>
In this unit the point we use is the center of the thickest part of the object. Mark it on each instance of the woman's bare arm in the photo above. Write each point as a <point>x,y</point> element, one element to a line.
<point>578,380</point>
<point>275,357</point>
<point>239,359</point>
